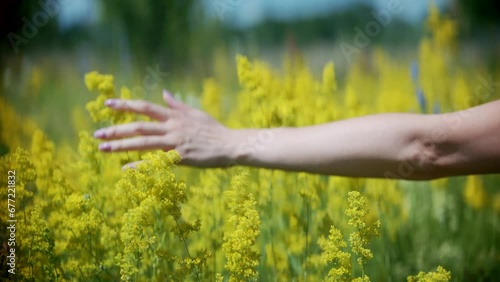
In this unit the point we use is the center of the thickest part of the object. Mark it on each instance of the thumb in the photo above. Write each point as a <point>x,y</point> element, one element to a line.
<point>171,101</point>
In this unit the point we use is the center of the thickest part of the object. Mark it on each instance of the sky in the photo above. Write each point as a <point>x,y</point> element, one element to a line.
<point>75,12</point>
<point>245,13</point>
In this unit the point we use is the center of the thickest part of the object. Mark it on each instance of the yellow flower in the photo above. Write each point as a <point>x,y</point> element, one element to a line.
<point>20,162</point>
<point>211,98</point>
<point>103,83</point>
<point>332,252</point>
<point>42,151</point>
<point>360,238</point>
<point>495,202</point>
<point>155,200</point>
<point>242,259</point>
<point>38,247</point>
<point>245,72</point>
<point>440,275</point>
<point>443,30</point>
<point>474,193</point>
<point>105,86</point>
<point>329,86</point>
<point>15,129</point>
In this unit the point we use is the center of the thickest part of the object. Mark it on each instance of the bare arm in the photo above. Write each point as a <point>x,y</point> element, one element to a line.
<point>361,147</point>
<point>405,146</point>
<point>467,142</point>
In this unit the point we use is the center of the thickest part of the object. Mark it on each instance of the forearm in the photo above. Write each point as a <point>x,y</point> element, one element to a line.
<point>372,146</point>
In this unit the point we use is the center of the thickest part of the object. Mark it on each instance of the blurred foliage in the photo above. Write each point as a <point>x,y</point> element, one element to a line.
<point>334,26</point>
<point>182,34</point>
<point>154,27</point>
<point>15,15</point>
<point>481,12</point>
<point>449,222</point>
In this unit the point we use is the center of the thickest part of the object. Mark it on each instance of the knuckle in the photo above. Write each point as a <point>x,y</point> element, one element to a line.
<point>147,142</point>
<point>178,142</point>
<point>111,132</point>
<point>181,124</point>
<point>139,128</point>
<point>174,125</point>
<point>174,114</point>
<point>183,151</point>
<point>145,107</point>
<point>115,146</point>
<point>121,104</point>
<point>175,141</point>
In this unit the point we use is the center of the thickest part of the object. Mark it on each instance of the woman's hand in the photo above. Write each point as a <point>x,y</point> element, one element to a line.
<point>200,140</point>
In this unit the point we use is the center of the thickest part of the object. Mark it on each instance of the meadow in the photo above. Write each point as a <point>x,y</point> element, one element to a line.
<point>80,217</point>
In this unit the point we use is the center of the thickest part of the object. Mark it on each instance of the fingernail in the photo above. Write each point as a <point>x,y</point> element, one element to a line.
<point>110,102</point>
<point>129,165</point>
<point>99,134</point>
<point>105,147</point>
<point>167,94</point>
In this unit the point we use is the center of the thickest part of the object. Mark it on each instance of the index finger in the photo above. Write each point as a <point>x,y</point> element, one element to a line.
<point>151,110</point>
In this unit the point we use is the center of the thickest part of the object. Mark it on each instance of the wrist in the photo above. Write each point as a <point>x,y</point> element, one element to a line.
<point>251,147</point>
<point>238,149</point>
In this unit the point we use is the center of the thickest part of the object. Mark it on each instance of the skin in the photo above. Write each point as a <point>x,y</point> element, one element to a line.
<point>396,145</point>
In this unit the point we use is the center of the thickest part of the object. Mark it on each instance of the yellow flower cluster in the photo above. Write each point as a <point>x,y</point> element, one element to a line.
<point>474,193</point>
<point>358,241</point>
<point>84,219</point>
<point>268,100</point>
<point>211,98</point>
<point>440,275</point>
<point>38,240</point>
<point>444,30</point>
<point>14,129</point>
<point>155,199</point>
<point>106,88</point>
<point>19,161</point>
<point>242,259</point>
<point>332,252</point>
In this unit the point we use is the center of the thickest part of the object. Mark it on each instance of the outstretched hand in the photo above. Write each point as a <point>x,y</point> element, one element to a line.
<point>198,138</point>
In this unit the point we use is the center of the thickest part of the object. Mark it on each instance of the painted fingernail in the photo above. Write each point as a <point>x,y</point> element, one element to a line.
<point>105,147</point>
<point>110,102</point>
<point>167,93</point>
<point>99,134</point>
<point>129,165</point>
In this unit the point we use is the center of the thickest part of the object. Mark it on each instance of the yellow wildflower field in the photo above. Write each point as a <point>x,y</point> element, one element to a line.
<point>80,217</point>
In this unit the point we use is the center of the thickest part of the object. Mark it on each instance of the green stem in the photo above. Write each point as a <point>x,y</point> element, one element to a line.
<point>271,230</point>
<point>184,241</point>
<point>138,259</point>
<point>308,213</point>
